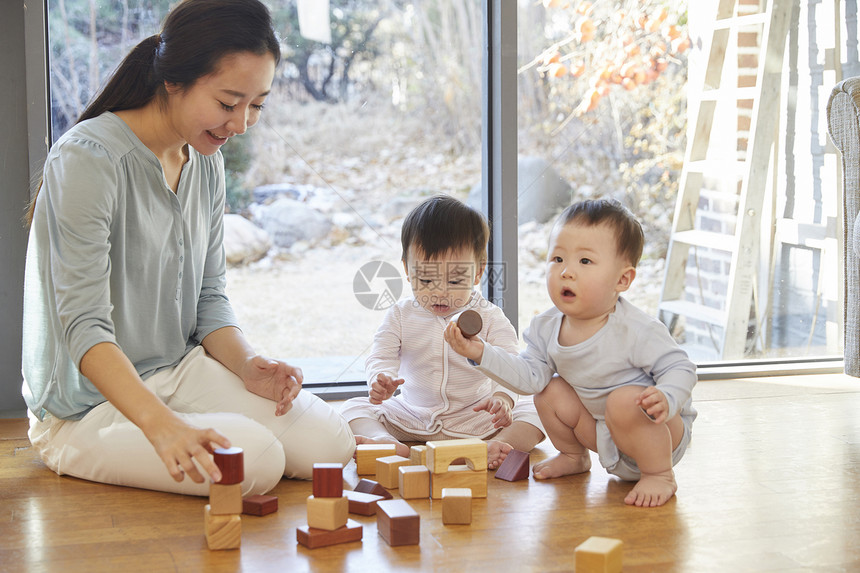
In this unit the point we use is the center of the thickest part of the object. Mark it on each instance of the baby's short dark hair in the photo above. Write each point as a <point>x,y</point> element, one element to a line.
<point>630,240</point>
<point>442,224</point>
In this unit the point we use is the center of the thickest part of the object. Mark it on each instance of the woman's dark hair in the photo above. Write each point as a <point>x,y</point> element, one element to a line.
<point>629,237</point>
<point>194,38</point>
<point>442,224</point>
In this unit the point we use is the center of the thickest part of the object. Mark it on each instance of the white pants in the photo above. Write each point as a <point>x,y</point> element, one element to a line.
<point>104,446</point>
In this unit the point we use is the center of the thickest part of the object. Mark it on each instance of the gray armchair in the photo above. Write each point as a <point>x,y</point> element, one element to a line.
<point>843,120</point>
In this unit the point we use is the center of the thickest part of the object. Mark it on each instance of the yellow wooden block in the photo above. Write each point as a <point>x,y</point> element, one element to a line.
<point>456,505</point>
<point>418,456</point>
<point>328,512</point>
<point>222,531</point>
<point>386,470</point>
<point>599,555</point>
<point>414,482</point>
<point>459,476</point>
<point>225,499</point>
<point>441,453</point>
<point>366,455</point>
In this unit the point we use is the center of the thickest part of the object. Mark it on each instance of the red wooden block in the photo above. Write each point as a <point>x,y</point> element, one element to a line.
<point>362,503</point>
<point>312,538</point>
<point>370,486</point>
<point>260,504</point>
<point>515,467</point>
<point>231,462</point>
<point>470,323</point>
<point>328,480</point>
<point>397,522</point>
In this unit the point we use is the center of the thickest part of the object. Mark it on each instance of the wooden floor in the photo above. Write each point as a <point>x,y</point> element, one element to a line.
<point>771,483</point>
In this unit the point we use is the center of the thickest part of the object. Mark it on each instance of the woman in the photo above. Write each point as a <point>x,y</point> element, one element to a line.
<point>131,350</point>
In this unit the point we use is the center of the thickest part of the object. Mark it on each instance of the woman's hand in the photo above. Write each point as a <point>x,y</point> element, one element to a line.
<point>179,445</point>
<point>272,379</point>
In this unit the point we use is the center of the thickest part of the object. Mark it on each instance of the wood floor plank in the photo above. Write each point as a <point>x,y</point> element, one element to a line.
<point>771,482</point>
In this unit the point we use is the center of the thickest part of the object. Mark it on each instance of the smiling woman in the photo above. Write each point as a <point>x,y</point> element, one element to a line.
<point>147,370</point>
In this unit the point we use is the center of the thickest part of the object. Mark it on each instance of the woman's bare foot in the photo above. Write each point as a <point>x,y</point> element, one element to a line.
<point>652,490</point>
<point>399,449</point>
<point>562,465</point>
<point>496,453</point>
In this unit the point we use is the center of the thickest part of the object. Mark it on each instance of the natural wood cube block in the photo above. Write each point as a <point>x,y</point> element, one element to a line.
<point>441,453</point>
<point>397,522</point>
<point>328,480</point>
<point>366,455</point>
<point>418,456</point>
<point>231,462</point>
<point>362,503</point>
<point>222,531</point>
<point>225,499</point>
<point>327,512</point>
<point>370,486</point>
<point>599,555</point>
<point>459,476</point>
<point>386,470</point>
<point>414,482</point>
<point>260,504</point>
<point>515,467</point>
<point>312,537</point>
<point>456,505</point>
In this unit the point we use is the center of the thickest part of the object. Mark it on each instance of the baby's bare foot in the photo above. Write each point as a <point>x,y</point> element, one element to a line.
<point>562,465</point>
<point>652,490</point>
<point>496,453</point>
<point>399,449</point>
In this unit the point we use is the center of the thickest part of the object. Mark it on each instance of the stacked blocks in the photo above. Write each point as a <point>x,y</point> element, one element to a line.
<point>414,482</point>
<point>515,467</point>
<point>386,470</point>
<point>456,505</point>
<point>328,511</point>
<point>366,455</point>
<point>473,475</point>
<point>222,522</point>
<point>599,555</point>
<point>398,523</point>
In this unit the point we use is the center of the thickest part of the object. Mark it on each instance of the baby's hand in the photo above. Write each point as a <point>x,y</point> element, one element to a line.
<point>469,347</point>
<point>500,408</point>
<point>654,403</point>
<point>383,388</point>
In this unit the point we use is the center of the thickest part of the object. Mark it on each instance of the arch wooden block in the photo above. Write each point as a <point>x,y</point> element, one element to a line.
<point>366,455</point>
<point>328,480</point>
<point>386,470</point>
<point>456,505</point>
<point>327,512</point>
<point>231,462</point>
<point>222,531</point>
<point>414,482</point>
<point>599,555</point>
<point>441,453</point>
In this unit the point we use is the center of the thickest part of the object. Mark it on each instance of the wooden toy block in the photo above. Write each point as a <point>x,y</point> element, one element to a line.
<point>260,504</point>
<point>362,503</point>
<point>328,480</point>
<point>225,499</point>
<point>386,470</point>
<point>459,476</point>
<point>515,467</point>
<point>366,455</point>
<point>231,462</point>
<point>456,505</point>
<point>398,523</point>
<point>418,456</point>
<point>222,531</point>
<point>414,482</point>
<point>599,555</point>
<point>312,537</point>
<point>370,486</point>
<point>441,453</point>
<point>469,322</point>
<point>327,512</point>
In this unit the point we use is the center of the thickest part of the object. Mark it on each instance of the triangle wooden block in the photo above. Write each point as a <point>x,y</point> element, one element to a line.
<point>515,467</point>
